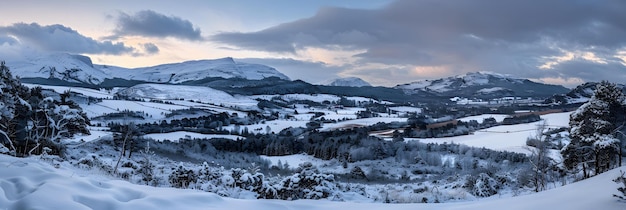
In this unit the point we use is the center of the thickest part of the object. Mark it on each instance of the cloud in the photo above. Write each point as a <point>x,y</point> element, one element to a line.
<point>149,23</point>
<point>513,37</point>
<point>59,38</point>
<point>312,72</point>
<point>150,48</point>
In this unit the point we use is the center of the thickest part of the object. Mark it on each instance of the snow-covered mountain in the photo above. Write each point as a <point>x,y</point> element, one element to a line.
<point>482,84</point>
<point>580,94</point>
<point>80,69</point>
<point>348,82</point>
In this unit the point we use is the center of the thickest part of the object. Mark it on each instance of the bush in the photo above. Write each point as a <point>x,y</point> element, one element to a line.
<point>307,183</point>
<point>181,177</point>
<point>484,186</point>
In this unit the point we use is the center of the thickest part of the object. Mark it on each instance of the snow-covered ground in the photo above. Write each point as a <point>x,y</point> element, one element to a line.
<point>32,183</point>
<point>406,109</point>
<point>360,122</point>
<point>506,137</point>
<point>95,134</point>
<point>197,93</point>
<point>175,136</point>
<point>480,118</point>
<point>154,110</point>
<point>274,125</point>
<point>104,94</point>
<point>294,160</point>
<point>319,98</point>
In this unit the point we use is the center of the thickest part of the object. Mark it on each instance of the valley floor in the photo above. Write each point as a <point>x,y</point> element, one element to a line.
<point>40,183</point>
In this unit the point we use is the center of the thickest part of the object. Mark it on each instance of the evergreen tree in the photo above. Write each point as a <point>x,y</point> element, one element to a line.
<point>29,122</point>
<point>593,130</point>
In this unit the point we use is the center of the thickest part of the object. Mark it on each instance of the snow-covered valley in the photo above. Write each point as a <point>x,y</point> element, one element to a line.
<point>288,151</point>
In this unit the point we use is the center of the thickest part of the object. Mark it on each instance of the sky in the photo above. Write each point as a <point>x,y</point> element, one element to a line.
<point>384,42</point>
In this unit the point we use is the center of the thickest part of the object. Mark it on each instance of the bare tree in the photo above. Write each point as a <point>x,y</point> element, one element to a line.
<point>539,160</point>
<point>128,133</point>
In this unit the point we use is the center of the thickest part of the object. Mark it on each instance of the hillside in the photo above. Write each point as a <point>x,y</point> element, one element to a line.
<point>348,82</point>
<point>30,183</point>
<point>580,94</point>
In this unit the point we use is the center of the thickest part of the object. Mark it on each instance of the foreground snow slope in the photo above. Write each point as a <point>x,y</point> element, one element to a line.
<point>34,184</point>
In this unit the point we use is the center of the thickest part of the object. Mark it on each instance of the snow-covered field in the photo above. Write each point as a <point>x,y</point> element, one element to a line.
<point>480,118</point>
<point>319,98</point>
<point>294,160</point>
<point>406,109</point>
<point>175,136</point>
<point>274,125</point>
<point>197,93</point>
<point>506,137</point>
<point>104,94</point>
<point>154,110</point>
<point>32,183</point>
<point>360,122</point>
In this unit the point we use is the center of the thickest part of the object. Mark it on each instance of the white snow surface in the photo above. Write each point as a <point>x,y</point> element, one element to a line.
<point>490,90</point>
<point>481,118</point>
<point>32,183</point>
<point>194,70</point>
<point>197,93</point>
<point>104,94</point>
<point>348,82</point>
<point>154,110</point>
<point>360,122</point>
<point>468,80</point>
<point>294,160</point>
<point>506,137</point>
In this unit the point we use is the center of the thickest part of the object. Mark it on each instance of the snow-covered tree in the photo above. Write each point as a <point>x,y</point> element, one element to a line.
<point>182,177</point>
<point>29,122</point>
<point>593,130</point>
<point>539,159</point>
<point>484,186</point>
<point>307,183</point>
<point>146,167</point>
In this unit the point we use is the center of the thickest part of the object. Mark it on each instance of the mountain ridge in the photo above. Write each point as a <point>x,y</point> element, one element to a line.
<point>348,82</point>
<point>482,85</point>
<point>80,69</point>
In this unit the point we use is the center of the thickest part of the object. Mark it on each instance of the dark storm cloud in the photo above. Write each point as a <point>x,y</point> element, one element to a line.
<point>62,38</point>
<point>507,36</point>
<point>152,24</point>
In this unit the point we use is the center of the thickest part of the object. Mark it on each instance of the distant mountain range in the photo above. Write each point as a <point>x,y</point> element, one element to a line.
<point>234,77</point>
<point>482,85</point>
<point>348,82</point>
<point>80,69</point>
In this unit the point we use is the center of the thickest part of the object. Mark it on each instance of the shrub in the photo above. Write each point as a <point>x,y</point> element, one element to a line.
<point>181,177</point>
